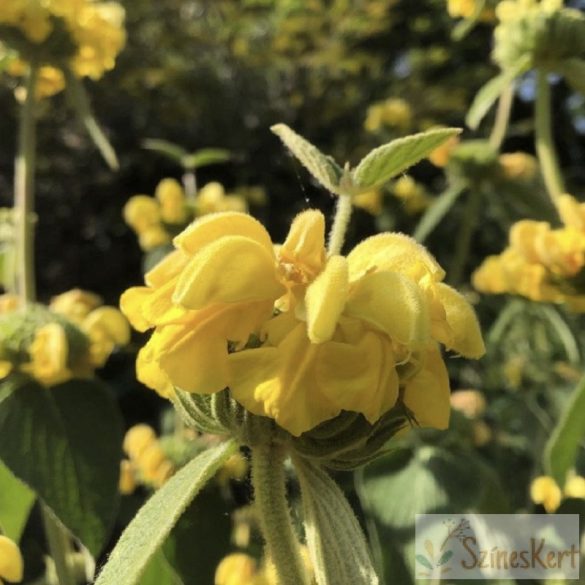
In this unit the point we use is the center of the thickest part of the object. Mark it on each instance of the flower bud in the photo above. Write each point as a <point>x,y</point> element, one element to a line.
<point>11,563</point>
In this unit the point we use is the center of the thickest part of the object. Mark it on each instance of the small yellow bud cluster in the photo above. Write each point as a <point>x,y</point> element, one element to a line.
<point>242,569</point>
<point>545,490</point>
<point>68,340</point>
<point>235,468</point>
<point>441,155</point>
<point>413,195</point>
<point>391,113</point>
<point>541,263</point>
<point>11,563</point>
<point>472,404</point>
<point>82,35</point>
<point>147,462</point>
<point>156,219</point>
<point>518,166</point>
<point>468,9</point>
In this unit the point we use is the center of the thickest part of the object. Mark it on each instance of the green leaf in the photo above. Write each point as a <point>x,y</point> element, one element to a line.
<point>393,158</point>
<point>445,557</point>
<point>166,148</point>
<point>487,96</point>
<point>424,562</point>
<point>16,501</point>
<point>321,166</point>
<point>153,523</point>
<point>337,546</point>
<point>561,449</point>
<point>204,158</point>
<point>80,102</point>
<point>159,572</point>
<point>437,211</point>
<point>65,443</point>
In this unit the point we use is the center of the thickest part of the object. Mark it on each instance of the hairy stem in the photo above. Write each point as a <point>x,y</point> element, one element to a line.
<point>60,548</point>
<point>190,184</point>
<point>282,546</point>
<point>24,192</point>
<point>339,227</point>
<point>545,147</point>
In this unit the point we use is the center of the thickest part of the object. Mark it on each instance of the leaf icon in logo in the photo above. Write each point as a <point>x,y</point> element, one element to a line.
<point>445,557</point>
<point>424,562</point>
<point>430,549</point>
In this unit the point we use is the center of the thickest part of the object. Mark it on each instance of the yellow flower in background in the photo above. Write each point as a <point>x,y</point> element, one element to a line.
<point>11,562</point>
<point>141,213</point>
<point>105,328</point>
<point>235,468</point>
<point>50,80</point>
<point>393,112</point>
<point>137,439</point>
<point>127,482</point>
<point>441,155</point>
<point>370,201</point>
<point>236,569</point>
<point>412,194</point>
<point>347,332</point>
<point>575,487</point>
<point>467,9</point>
<point>48,355</point>
<point>471,403</point>
<point>173,206</point>
<point>518,166</point>
<point>511,10</point>
<point>544,490</point>
<point>75,304</point>
<point>8,303</point>
<point>572,212</point>
<point>213,198</point>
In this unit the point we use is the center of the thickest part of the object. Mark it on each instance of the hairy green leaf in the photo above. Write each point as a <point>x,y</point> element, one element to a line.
<point>155,520</point>
<point>393,158</point>
<point>16,501</point>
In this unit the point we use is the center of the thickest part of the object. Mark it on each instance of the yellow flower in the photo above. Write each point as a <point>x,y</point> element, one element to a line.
<point>11,563</point>
<point>49,352</point>
<point>106,328</point>
<point>75,304</point>
<point>173,208</point>
<point>413,194</point>
<point>575,487</point>
<point>467,9</point>
<point>469,402</point>
<point>236,569</point>
<point>518,166</point>
<point>393,112</point>
<point>572,212</point>
<point>127,482</point>
<point>441,155</point>
<point>5,368</point>
<point>371,201</point>
<point>346,327</point>
<point>8,303</point>
<point>236,467</point>
<point>544,490</point>
<point>212,198</point>
<point>142,213</point>
<point>137,439</point>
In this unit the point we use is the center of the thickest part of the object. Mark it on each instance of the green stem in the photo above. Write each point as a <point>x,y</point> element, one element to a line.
<point>468,225</point>
<point>190,185</point>
<point>59,547</point>
<point>545,147</point>
<point>282,545</point>
<point>24,190</point>
<point>340,223</point>
<point>502,117</point>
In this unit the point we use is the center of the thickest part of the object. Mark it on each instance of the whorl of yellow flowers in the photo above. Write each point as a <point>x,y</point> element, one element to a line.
<point>541,263</point>
<point>11,563</point>
<point>70,339</point>
<point>82,35</point>
<point>298,336</point>
<point>156,219</point>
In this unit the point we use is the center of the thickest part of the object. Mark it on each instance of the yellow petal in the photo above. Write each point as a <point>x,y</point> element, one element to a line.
<point>394,304</point>
<point>11,563</point>
<point>232,269</point>
<point>305,243</point>
<point>111,321</point>
<point>575,487</point>
<point>137,439</point>
<point>393,253</point>
<point>131,303</point>
<point>149,372</point>
<point>169,267</point>
<point>358,377</point>
<point>236,569</point>
<point>325,299</point>
<point>217,225</point>
<point>464,332</point>
<point>426,395</point>
<point>141,212</point>
<point>544,490</point>
<point>158,307</point>
<point>5,368</point>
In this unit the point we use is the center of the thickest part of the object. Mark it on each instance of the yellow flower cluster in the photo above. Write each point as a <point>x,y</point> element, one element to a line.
<point>541,263</point>
<point>95,29</point>
<point>11,563</point>
<point>545,490</point>
<point>472,404</point>
<point>514,10</point>
<point>147,461</point>
<point>441,155</point>
<point>151,217</point>
<point>62,349</point>
<point>412,194</point>
<point>295,335</point>
<point>518,166</point>
<point>467,9</point>
<point>393,113</point>
<point>242,569</point>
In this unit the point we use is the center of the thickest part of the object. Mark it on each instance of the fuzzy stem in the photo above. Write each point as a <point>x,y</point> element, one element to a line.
<point>282,545</point>
<point>340,223</point>
<point>502,117</point>
<point>59,543</point>
<point>190,185</point>
<point>24,191</point>
<point>545,147</point>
